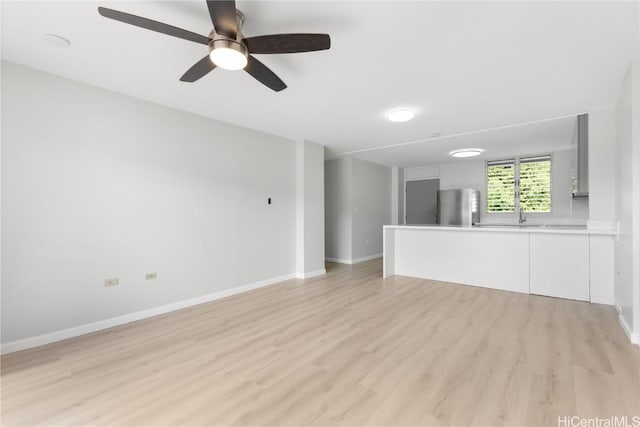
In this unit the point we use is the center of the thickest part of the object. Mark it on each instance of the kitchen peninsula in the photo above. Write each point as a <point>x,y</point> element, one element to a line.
<point>560,261</point>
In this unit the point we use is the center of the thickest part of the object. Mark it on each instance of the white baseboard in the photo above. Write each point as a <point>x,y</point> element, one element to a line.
<point>600,299</point>
<point>311,274</point>
<point>353,261</point>
<point>339,260</point>
<point>367,258</point>
<point>39,340</point>
<point>633,336</point>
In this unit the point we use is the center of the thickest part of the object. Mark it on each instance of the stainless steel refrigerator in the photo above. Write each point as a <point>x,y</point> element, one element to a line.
<point>459,207</point>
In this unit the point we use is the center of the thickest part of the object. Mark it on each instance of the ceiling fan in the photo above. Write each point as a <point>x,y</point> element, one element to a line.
<point>228,48</point>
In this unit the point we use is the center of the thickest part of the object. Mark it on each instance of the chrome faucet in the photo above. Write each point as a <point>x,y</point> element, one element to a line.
<point>521,217</point>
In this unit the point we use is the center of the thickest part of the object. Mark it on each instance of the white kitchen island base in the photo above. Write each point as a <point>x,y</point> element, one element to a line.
<point>543,261</point>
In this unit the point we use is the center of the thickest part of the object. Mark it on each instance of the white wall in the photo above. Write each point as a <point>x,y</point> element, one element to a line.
<point>395,194</point>
<point>635,70</point>
<point>401,195</point>
<point>357,205</point>
<point>309,209</point>
<point>338,220</point>
<point>602,158</point>
<point>627,201</point>
<point>472,174</point>
<point>465,174</point>
<point>98,185</point>
<point>371,192</point>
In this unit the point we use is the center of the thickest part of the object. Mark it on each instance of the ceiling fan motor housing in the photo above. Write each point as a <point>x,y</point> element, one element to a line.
<point>224,41</point>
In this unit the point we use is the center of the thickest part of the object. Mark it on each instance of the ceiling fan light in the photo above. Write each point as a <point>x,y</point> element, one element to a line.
<point>228,54</point>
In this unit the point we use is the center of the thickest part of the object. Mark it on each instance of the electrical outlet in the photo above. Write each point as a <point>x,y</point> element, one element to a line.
<point>111,282</point>
<point>151,276</point>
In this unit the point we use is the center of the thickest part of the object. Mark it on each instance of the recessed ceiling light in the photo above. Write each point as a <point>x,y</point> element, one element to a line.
<point>57,40</point>
<point>466,152</point>
<point>401,115</point>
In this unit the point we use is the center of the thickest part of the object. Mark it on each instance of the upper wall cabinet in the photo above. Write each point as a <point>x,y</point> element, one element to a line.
<point>581,187</point>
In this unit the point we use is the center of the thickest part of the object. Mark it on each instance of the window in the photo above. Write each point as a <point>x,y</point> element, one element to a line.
<point>501,186</point>
<point>535,184</point>
<point>531,191</point>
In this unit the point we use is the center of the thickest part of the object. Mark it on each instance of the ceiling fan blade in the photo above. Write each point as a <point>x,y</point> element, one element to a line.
<point>264,75</point>
<point>198,70</point>
<point>223,16</point>
<point>288,43</point>
<point>149,24</point>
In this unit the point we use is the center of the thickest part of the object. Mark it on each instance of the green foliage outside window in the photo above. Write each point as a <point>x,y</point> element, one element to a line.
<point>533,192</point>
<point>501,188</point>
<point>535,186</point>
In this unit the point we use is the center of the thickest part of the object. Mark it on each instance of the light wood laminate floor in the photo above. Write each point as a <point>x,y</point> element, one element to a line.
<point>346,349</point>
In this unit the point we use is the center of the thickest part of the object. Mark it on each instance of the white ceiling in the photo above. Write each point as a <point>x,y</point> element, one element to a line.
<point>464,66</point>
<point>530,139</point>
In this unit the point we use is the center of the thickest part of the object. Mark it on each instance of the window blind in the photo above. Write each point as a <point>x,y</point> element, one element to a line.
<point>501,186</point>
<point>535,184</point>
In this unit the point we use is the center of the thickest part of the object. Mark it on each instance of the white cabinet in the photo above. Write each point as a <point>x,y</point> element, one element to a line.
<point>601,269</point>
<point>571,263</point>
<point>497,260</point>
<point>559,265</point>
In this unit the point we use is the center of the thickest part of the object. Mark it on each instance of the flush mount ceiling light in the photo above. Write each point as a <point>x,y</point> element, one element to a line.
<point>466,152</point>
<point>401,115</point>
<point>57,40</point>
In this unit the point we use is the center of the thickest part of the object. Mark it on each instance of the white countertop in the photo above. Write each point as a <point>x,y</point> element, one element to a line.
<point>557,229</point>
